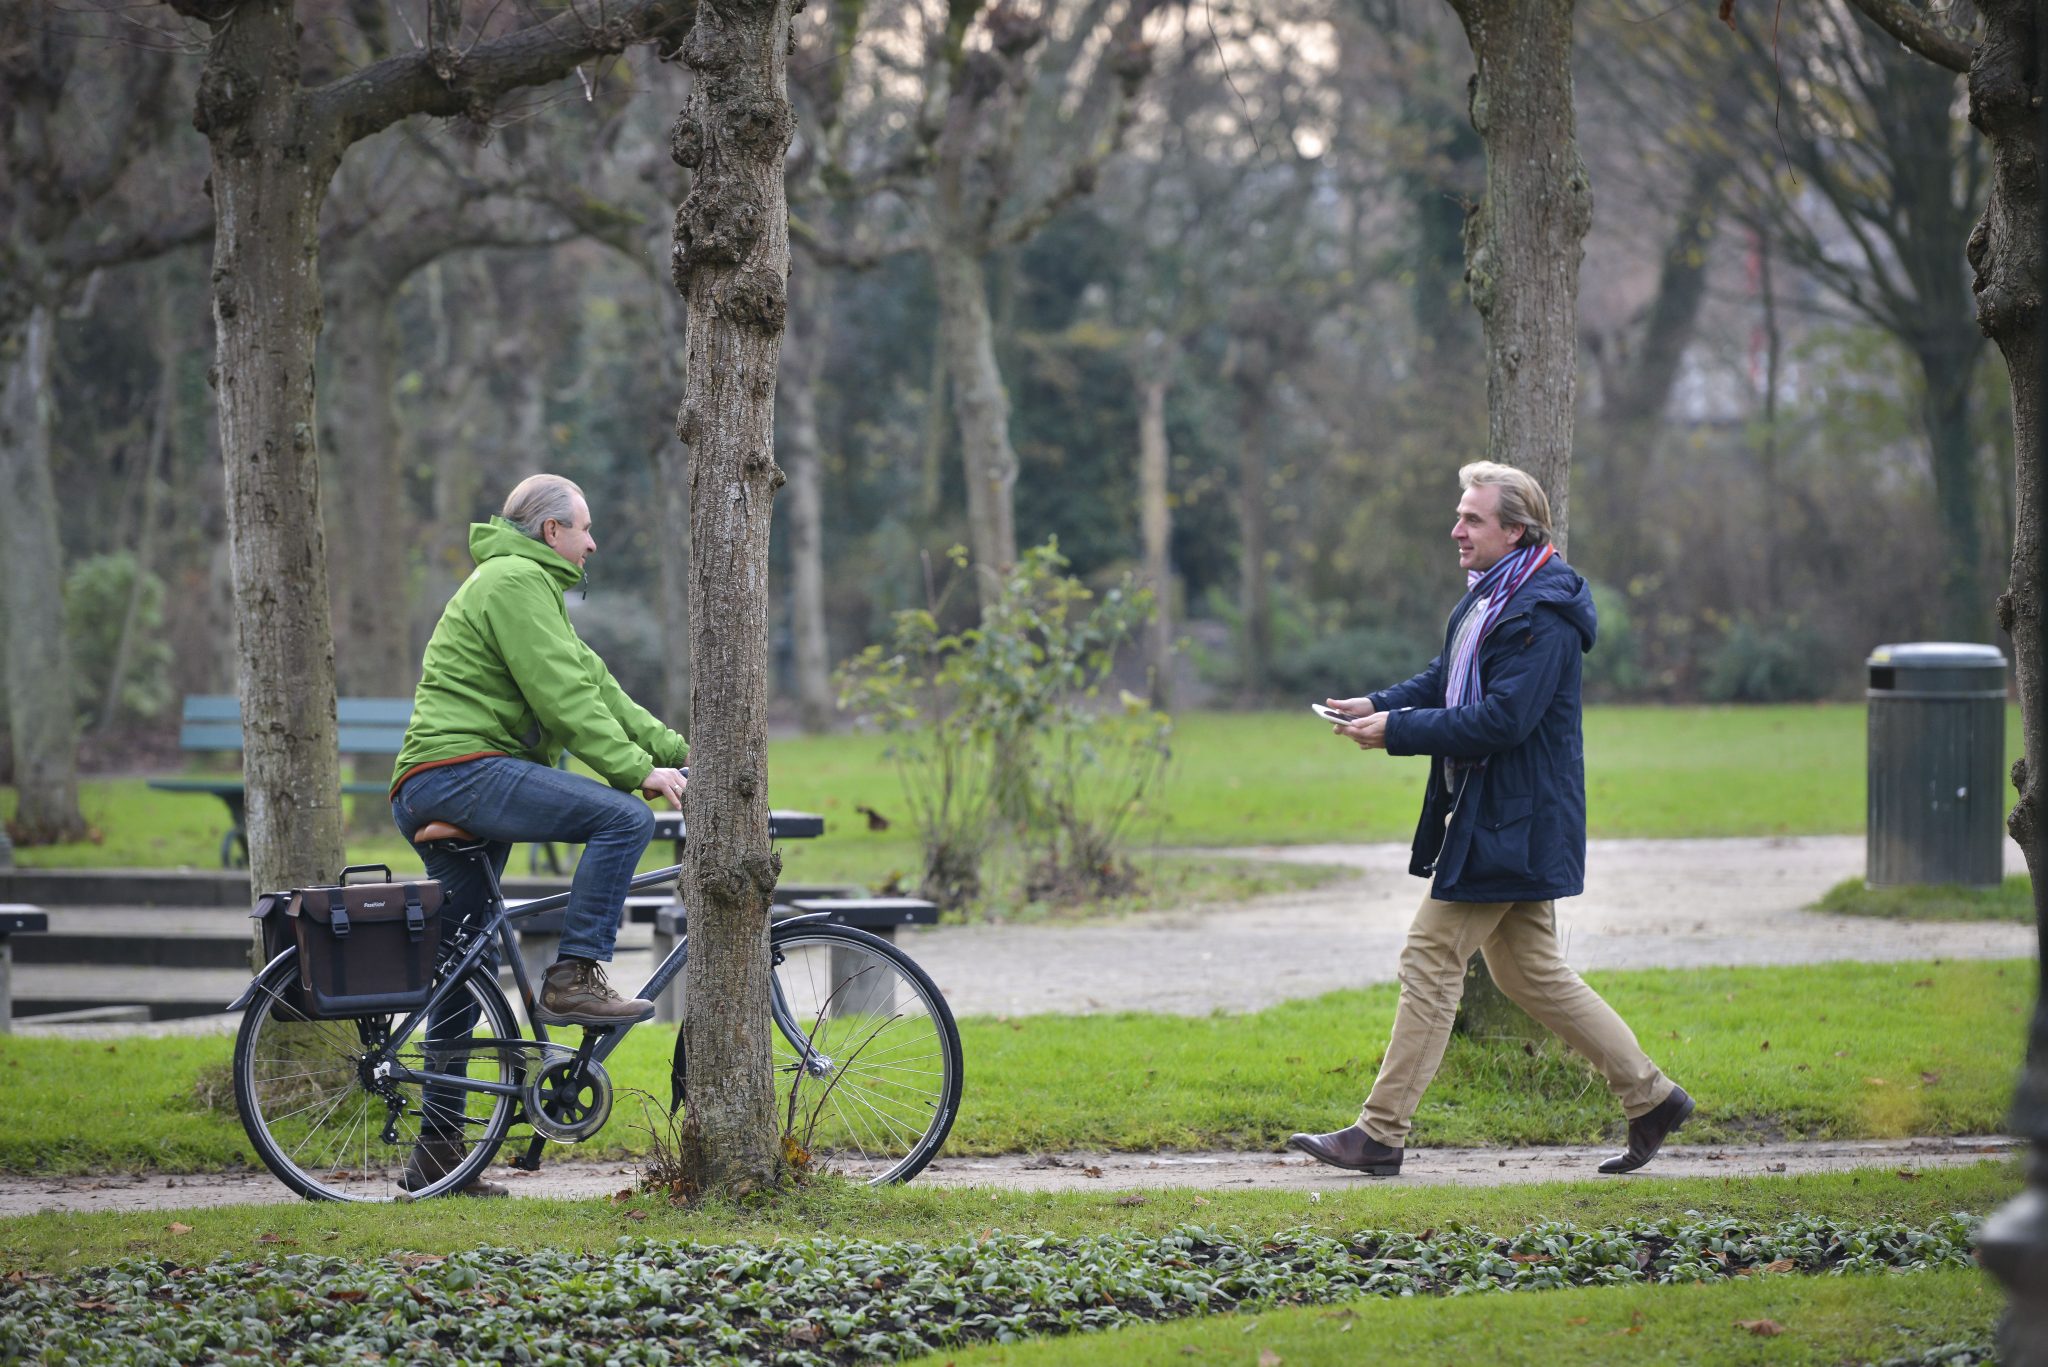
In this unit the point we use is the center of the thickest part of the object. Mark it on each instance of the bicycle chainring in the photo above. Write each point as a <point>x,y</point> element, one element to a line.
<point>565,1101</point>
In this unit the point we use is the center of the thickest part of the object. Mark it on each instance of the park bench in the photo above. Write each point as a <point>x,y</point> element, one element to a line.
<point>14,920</point>
<point>213,722</point>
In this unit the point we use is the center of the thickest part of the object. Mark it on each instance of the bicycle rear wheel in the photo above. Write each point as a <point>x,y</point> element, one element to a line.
<point>867,1047</point>
<point>319,1114</point>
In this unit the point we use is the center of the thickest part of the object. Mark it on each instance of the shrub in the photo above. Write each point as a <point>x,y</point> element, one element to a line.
<point>1756,662</point>
<point>96,597</point>
<point>998,728</point>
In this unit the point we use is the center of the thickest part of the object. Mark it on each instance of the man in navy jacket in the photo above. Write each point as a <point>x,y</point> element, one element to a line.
<point>1503,829</point>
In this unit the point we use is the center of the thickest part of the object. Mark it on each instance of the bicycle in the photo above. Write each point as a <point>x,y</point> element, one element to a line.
<point>866,1057</point>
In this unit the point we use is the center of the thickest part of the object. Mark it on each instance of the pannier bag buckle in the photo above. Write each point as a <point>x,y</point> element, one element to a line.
<point>415,915</point>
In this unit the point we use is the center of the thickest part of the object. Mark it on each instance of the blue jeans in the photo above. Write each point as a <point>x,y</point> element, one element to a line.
<point>503,800</point>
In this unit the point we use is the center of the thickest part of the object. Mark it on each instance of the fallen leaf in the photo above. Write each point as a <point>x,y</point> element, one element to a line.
<point>1781,1265</point>
<point>1201,1201</point>
<point>1775,1167</point>
<point>803,1331</point>
<point>1930,1079</point>
<point>1924,982</point>
<point>177,1227</point>
<point>94,1305</point>
<point>1582,1319</point>
<point>1907,1174</point>
<point>1761,1328</point>
<point>1269,1358</point>
<point>274,1239</point>
<point>1877,1082</point>
<point>1091,1171</point>
<point>1765,1045</point>
<point>1528,1257</point>
<point>636,1215</point>
<point>1133,1199</point>
<point>348,1297</point>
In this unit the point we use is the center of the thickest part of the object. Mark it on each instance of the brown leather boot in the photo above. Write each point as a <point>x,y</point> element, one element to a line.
<point>1350,1148</point>
<point>433,1158</point>
<point>575,993</point>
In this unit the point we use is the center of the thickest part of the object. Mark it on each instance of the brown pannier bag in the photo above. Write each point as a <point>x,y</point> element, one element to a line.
<point>366,948</point>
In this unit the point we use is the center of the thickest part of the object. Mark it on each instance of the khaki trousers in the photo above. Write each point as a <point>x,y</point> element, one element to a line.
<point>1519,940</point>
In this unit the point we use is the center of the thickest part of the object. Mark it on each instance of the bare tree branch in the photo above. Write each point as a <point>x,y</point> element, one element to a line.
<point>447,83</point>
<point>1917,31</point>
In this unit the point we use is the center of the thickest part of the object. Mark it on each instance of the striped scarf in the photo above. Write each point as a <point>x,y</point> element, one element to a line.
<point>1495,587</point>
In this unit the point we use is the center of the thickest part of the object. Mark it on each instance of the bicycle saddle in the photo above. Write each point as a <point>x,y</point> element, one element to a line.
<point>440,830</point>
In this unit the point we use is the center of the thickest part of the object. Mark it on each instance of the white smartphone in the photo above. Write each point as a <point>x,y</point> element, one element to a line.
<point>1331,714</point>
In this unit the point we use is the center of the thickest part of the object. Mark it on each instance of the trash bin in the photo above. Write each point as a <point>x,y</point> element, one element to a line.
<point>1937,765</point>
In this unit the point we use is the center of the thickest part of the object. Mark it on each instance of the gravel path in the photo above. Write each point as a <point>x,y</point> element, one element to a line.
<point>1085,1172</point>
<point>1648,904</point>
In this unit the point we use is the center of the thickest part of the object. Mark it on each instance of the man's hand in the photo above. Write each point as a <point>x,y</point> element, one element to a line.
<point>1369,732</point>
<point>1357,707</point>
<point>668,783</point>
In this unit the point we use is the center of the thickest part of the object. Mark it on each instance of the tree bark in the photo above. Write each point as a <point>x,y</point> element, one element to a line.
<point>1523,242</point>
<point>797,388</point>
<point>1155,520</point>
<point>41,710</point>
<point>732,263</point>
<point>2007,252</point>
<point>270,175</point>
<point>981,409</point>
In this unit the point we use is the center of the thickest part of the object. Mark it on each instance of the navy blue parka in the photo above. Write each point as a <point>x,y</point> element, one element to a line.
<point>1518,825</point>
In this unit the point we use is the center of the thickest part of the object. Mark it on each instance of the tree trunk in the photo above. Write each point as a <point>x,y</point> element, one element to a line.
<point>1252,376</point>
<point>981,408</point>
<point>672,475</point>
<point>2008,253</point>
<point>269,178</point>
<point>797,385</point>
<point>165,344</point>
<point>1155,518</point>
<point>368,526</point>
<point>1522,243</point>
<point>41,711</point>
<point>732,263</point>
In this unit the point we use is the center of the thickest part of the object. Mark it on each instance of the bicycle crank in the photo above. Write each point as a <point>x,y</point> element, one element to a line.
<point>568,1098</point>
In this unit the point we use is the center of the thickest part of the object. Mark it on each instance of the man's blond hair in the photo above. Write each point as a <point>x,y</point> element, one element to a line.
<point>1522,500</point>
<point>537,498</point>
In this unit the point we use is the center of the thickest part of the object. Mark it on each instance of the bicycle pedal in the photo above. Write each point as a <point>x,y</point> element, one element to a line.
<point>530,1160</point>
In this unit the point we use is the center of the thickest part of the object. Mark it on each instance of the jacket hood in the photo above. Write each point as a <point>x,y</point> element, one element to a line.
<point>1558,588</point>
<point>490,540</point>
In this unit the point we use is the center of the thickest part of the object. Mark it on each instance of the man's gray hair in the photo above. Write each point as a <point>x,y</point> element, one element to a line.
<point>1522,500</point>
<point>540,497</point>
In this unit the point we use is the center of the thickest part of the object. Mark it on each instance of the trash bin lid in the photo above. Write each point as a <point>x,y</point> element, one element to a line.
<point>1937,655</point>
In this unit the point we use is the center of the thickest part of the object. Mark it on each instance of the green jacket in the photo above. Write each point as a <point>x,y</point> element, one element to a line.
<point>506,674</point>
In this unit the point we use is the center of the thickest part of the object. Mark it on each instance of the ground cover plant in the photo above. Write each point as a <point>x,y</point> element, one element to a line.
<point>2011,900</point>
<point>831,1300</point>
<point>1825,1050</point>
<point>1237,778</point>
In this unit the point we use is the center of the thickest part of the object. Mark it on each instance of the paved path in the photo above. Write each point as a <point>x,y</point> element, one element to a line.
<point>1097,1172</point>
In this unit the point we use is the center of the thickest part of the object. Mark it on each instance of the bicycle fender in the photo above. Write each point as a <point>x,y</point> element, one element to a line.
<point>808,918</point>
<point>241,1003</point>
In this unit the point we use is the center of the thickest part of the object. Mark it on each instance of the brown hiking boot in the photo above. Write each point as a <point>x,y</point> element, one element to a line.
<point>433,1158</point>
<point>575,993</point>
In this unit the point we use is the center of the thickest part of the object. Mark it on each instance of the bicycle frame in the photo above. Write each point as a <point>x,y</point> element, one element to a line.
<point>599,1042</point>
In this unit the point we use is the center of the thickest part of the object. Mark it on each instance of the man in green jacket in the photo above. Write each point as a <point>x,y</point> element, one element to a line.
<point>505,687</point>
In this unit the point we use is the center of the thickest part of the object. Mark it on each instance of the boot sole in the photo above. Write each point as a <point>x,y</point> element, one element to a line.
<point>547,1018</point>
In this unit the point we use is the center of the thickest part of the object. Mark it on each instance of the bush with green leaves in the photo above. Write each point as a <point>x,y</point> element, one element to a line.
<point>999,728</point>
<point>1766,662</point>
<point>97,593</point>
<point>835,1300</point>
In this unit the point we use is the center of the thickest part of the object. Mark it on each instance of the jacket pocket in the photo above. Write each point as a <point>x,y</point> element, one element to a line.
<point>1501,844</point>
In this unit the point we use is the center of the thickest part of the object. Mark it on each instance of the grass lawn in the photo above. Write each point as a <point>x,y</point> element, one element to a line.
<point>1237,778</point>
<point>2012,900</point>
<point>1820,1321</point>
<point>933,1214</point>
<point>1835,1050</point>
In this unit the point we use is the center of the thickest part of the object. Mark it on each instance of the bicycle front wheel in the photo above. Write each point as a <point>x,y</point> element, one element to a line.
<point>333,1126</point>
<point>867,1050</point>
